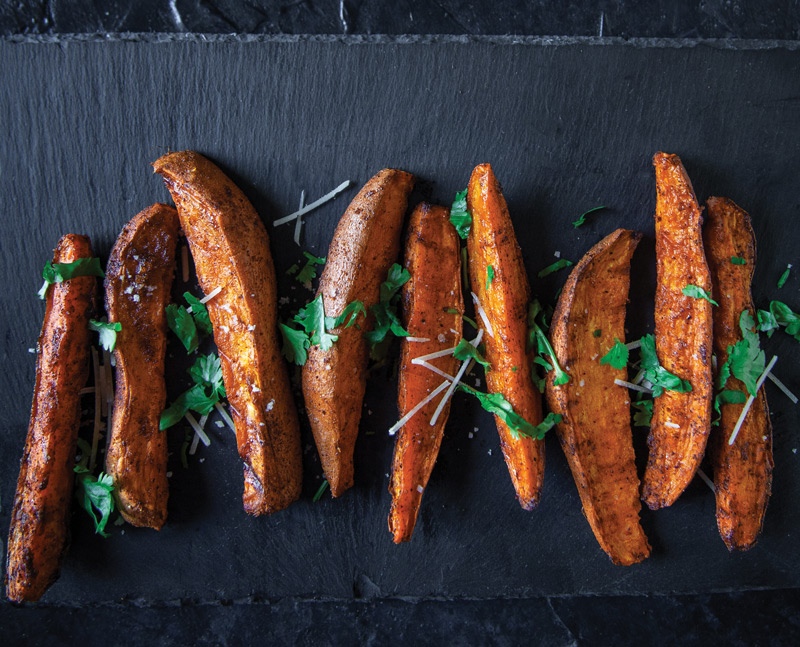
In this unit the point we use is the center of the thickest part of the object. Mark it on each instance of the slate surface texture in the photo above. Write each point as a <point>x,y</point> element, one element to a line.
<point>567,127</point>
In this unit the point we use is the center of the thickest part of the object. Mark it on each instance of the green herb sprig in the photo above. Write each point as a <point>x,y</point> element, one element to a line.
<point>537,324</point>
<point>697,292</point>
<point>460,215</point>
<point>560,264</point>
<point>657,375</point>
<point>617,356</point>
<point>107,332</point>
<point>582,218</point>
<point>59,272</point>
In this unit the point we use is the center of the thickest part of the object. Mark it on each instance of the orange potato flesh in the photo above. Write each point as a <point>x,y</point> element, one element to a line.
<point>492,242</point>
<point>138,281</point>
<point>39,531</point>
<point>681,421</point>
<point>230,248</point>
<point>595,431</point>
<point>742,471</point>
<point>364,246</point>
<point>432,258</point>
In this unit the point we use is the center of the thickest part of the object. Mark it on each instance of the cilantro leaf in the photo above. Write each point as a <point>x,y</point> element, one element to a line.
<point>698,293</point>
<point>738,260</point>
<point>727,396</point>
<point>199,314</point>
<point>495,403</point>
<point>295,344</point>
<point>460,215</point>
<point>560,264</point>
<point>94,493</point>
<point>617,356</point>
<point>747,360</point>
<point>312,319</point>
<point>656,374</point>
<point>59,272</point>
<point>582,219</point>
<point>784,276</point>
<point>395,279</point>
<point>537,336</point>
<point>293,269</point>
<point>309,271</point>
<point>643,415</point>
<point>182,324</point>
<point>352,310</point>
<point>385,311</point>
<point>207,372</point>
<point>767,322</point>
<point>489,276</point>
<point>784,316</point>
<point>465,351</point>
<point>107,332</point>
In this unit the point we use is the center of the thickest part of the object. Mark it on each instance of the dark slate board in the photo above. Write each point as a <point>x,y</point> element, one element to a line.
<point>566,127</point>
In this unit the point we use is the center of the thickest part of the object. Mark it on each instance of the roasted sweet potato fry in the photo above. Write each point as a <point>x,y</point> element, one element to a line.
<point>742,471</point>
<point>595,430</point>
<point>492,242</point>
<point>681,421</point>
<point>230,248</point>
<point>365,244</point>
<point>40,518</point>
<point>138,281</point>
<point>432,258</point>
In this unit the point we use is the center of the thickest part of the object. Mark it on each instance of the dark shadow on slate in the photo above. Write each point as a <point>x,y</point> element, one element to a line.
<point>566,128</point>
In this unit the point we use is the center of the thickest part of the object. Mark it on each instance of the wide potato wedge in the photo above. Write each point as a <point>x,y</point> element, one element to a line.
<point>432,309</point>
<point>492,242</point>
<point>681,421</point>
<point>595,430</point>
<point>230,248</point>
<point>39,531</point>
<point>365,244</point>
<point>742,471</point>
<point>137,290</point>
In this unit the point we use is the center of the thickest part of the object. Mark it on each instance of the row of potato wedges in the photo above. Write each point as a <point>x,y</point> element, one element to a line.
<point>230,248</point>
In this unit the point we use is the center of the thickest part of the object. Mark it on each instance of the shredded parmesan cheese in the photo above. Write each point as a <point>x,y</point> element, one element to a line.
<point>197,429</point>
<point>228,420</point>
<point>438,371</point>
<point>783,388</point>
<point>415,339</point>
<point>750,401</point>
<point>465,366</point>
<point>420,489</point>
<point>634,345</point>
<point>193,446</point>
<point>672,424</point>
<point>482,314</point>
<point>706,480</point>
<point>299,224</point>
<point>313,205</point>
<point>436,355</point>
<point>393,429</point>
<point>635,387</point>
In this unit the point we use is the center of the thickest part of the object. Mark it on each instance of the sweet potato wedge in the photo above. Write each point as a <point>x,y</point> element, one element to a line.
<point>137,286</point>
<point>492,242</point>
<point>681,421</point>
<point>595,430</point>
<point>432,258</point>
<point>230,248</point>
<point>742,471</point>
<point>365,244</point>
<point>40,517</point>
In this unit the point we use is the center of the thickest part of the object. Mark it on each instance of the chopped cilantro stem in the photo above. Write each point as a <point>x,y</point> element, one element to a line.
<point>321,491</point>
<point>784,276</point>
<point>560,264</point>
<point>582,218</point>
<point>460,215</point>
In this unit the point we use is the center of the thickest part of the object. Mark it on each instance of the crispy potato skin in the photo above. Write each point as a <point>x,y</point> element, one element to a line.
<point>595,432</point>
<point>364,246</point>
<point>39,531</point>
<point>683,338</point>
<point>230,248</point>
<point>492,242</point>
<point>743,471</point>
<point>432,258</point>
<point>137,286</point>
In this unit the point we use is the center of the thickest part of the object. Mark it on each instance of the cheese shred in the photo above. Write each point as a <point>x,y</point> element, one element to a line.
<point>750,400</point>
<point>313,205</point>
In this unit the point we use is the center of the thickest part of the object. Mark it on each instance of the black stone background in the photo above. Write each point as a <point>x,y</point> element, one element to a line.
<point>370,615</point>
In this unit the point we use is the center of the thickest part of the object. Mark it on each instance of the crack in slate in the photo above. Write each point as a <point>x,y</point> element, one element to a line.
<point>561,623</point>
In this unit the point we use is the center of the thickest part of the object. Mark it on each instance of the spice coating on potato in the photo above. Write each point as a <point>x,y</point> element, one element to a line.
<point>742,471</point>
<point>595,431</point>
<point>137,290</point>
<point>39,531</point>
<point>492,242</point>
<point>681,421</point>
<point>364,246</point>
<point>432,259</point>
<point>230,248</point>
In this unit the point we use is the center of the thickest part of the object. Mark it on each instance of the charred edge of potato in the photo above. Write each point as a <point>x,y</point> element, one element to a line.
<point>743,471</point>
<point>595,431</point>
<point>683,338</point>
<point>39,533</point>
<point>432,257</point>
<point>230,247</point>
<point>138,280</point>
<point>364,246</point>
<point>492,242</point>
